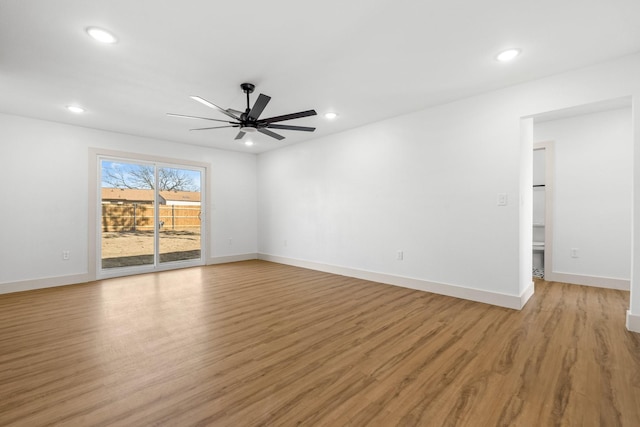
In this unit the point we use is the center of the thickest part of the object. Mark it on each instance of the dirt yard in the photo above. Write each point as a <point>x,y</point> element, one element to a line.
<point>121,249</point>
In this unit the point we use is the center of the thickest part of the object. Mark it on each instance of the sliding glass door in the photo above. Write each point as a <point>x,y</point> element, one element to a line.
<point>179,215</point>
<point>151,216</point>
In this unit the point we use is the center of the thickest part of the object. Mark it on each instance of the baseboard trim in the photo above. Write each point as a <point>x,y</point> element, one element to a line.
<point>231,258</point>
<point>478,295</point>
<point>595,281</point>
<point>633,322</point>
<point>48,282</point>
<point>73,279</point>
<point>527,293</point>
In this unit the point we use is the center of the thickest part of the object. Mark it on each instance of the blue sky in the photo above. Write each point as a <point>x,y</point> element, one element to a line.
<point>127,168</point>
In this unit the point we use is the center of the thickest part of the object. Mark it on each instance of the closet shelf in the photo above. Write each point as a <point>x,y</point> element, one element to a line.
<point>538,246</point>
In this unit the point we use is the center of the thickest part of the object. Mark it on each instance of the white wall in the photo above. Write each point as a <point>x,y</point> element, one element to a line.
<point>356,198</point>
<point>593,193</point>
<point>425,183</point>
<point>44,169</point>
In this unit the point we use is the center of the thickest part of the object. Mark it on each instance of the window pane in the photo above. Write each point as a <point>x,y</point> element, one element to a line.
<point>179,214</point>
<point>127,222</point>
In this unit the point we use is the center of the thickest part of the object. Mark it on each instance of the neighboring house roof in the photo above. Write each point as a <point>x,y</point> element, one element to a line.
<point>127,195</point>
<point>181,196</point>
<point>130,195</point>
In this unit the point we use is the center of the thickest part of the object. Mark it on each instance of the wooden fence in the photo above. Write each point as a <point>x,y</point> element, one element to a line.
<point>140,217</point>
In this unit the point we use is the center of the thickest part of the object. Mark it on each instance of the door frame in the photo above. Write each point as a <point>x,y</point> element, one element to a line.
<point>95,155</point>
<point>549,178</point>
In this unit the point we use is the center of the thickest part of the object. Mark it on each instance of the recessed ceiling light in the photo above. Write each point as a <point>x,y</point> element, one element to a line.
<point>508,55</point>
<point>75,109</point>
<point>331,116</point>
<point>103,36</point>
<point>248,143</point>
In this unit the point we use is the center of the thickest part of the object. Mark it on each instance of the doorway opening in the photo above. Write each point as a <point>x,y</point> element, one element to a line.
<point>542,242</point>
<point>582,208</point>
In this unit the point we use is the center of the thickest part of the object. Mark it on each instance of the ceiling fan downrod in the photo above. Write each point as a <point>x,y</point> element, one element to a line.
<point>248,88</point>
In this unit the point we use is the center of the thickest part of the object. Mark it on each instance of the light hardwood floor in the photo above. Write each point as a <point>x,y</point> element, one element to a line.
<point>256,343</point>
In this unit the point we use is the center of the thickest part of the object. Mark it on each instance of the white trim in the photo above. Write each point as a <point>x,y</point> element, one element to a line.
<point>478,295</point>
<point>525,206</point>
<point>633,322</point>
<point>231,258</point>
<point>74,279</point>
<point>527,293</point>
<point>93,250</point>
<point>549,199</point>
<point>48,282</point>
<point>94,223</point>
<point>595,281</point>
<point>135,270</point>
<point>494,298</point>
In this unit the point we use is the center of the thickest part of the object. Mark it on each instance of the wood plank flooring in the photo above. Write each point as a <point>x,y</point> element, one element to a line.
<point>262,344</point>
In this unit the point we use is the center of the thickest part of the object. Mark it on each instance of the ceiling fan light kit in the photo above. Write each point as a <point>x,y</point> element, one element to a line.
<point>249,121</point>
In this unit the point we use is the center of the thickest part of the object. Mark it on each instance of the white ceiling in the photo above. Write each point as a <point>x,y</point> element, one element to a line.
<point>366,60</point>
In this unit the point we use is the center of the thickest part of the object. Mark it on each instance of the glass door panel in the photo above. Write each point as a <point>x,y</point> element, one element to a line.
<point>127,200</point>
<point>179,214</point>
<point>150,216</point>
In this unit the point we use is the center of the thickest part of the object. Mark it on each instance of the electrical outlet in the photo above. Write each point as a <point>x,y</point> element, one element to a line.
<point>230,241</point>
<point>400,256</point>
<point>284,243</point>
<point>66,255</point>
<point>575,253</point>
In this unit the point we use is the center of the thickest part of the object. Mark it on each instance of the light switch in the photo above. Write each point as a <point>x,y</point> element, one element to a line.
<point>502,199</point>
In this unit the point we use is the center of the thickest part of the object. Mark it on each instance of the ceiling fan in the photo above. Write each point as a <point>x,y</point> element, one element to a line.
<point>249,121</point>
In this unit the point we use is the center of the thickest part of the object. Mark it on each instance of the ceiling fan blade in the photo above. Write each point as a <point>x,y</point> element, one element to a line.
<point>271,134</point>
<point>287,127</point>
<point>236,112</point>
<point>240,135</point>
<point>259,106</point>
<point>214,106</point>
<point>289,116</point>
<point>196,117</point>
<point>216,127</point>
